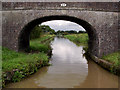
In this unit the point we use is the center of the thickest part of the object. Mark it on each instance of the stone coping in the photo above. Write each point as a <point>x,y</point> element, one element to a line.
<point>106,65</point>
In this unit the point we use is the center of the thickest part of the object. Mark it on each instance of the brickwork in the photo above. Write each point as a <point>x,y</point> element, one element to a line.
<point>100,22</point>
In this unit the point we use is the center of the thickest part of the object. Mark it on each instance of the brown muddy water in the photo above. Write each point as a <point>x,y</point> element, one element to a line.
<point>69,70</point>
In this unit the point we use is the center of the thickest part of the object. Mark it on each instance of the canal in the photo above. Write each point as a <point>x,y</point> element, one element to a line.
<point>69,69</point>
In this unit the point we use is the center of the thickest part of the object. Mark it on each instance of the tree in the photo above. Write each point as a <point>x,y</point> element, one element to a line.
<point>82,32</point>
<point>39,30</point>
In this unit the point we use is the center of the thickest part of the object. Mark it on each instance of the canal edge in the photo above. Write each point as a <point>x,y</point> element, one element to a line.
<point>105,64</point>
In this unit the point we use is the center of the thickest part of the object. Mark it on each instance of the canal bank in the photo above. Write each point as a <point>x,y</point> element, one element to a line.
<point>109,62</point>
<point>17,66</point>
<point>69,69</point>
<point>105,64</point>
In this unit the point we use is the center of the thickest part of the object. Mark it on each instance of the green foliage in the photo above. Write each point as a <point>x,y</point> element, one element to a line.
<point>82,39</point>
<point>38,31</point>
<point>9,54</point>
<point>46,28</point>
<point>22,62</point>
<point>82,32</point>
<point>65,32</point>
<point>41,44</point>
<point>17,76</point>
<point>79,39</point>
<point>39,47</point>
<point>113,58</point>
<point>25,63</point>
<point>68,32</point>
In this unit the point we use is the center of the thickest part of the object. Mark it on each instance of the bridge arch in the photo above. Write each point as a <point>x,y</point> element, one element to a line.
<point>23,39</point>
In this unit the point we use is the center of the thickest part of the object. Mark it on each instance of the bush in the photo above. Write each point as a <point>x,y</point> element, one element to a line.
<point>35,33</point>
<point>40,30</point>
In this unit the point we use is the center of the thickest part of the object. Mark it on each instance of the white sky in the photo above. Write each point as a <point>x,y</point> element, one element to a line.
<point>63,25</point>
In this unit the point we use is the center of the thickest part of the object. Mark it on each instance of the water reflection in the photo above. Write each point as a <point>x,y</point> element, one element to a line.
<point>98,78</point>
<point>68,66</point>
<point>69,70</point>
<point>66,51</point>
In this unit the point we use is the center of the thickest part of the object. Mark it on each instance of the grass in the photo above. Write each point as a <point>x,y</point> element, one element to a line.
<point>8,54</point>
<point>20,60</point>
<point>79,39</point>
<point>113,58</point>
<point>17,65</point>
<point>41,44</point>
<point>82,39</point>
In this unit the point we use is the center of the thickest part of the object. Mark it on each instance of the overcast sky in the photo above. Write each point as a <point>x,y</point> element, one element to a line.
<point>63,25</point>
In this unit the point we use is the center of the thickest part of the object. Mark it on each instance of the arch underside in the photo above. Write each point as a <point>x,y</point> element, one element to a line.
<point>23,42</point>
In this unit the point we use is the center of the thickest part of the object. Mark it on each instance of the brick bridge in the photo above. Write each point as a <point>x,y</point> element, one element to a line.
<point>100,20</point>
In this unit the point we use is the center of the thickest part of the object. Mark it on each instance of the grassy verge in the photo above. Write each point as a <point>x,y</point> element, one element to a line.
<point>113,58</point>
<point>18,65</point>
<point>41,44</point>
<point>79,39</point>
<point>82,39</point>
